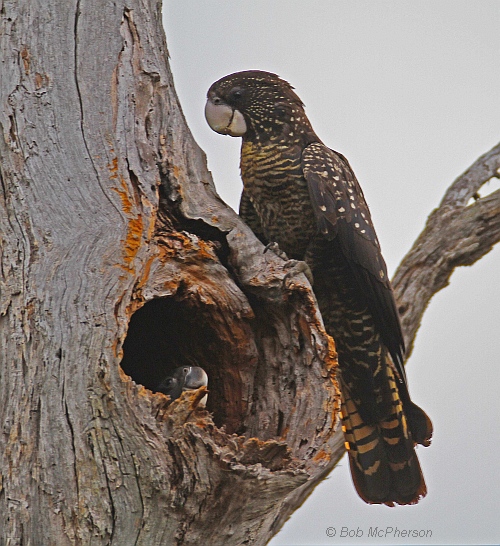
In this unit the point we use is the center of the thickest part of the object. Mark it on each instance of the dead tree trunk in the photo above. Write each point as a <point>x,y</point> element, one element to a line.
<point>107,204</point>
<point>119,262</point>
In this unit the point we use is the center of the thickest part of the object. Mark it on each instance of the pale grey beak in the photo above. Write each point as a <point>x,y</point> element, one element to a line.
<point>196,378</point>
<point>223,119</point>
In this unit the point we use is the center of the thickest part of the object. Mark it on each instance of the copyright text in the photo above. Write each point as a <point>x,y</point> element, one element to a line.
<point>377,532</point>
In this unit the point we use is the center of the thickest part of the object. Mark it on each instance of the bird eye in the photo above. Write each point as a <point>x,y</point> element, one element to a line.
<point>216,100</point>
<point>236,94</point>
<point>186,370</point>
<point>279,110</point>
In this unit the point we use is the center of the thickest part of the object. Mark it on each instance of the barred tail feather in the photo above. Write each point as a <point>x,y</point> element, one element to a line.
<point>382,458</point>
<point>419,423</point>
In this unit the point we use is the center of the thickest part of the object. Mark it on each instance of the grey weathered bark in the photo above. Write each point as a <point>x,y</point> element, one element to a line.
<point>460,231</point>
<point>108,212</point>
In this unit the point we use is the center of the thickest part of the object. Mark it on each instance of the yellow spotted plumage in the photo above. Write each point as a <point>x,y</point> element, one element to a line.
<point>304,196</point>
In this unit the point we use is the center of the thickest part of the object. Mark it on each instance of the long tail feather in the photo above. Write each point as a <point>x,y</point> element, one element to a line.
<point>384,466</point>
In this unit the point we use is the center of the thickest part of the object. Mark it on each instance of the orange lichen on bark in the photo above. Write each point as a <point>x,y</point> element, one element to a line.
<point>135,227</point>
<point>178,242</point>
<point>284,434</point>
<point>332,360</point>
<point>176,171</point>
<point>41,80</point>
<point>322,455</point>
<point>25,56</point>
<point>132,240</point>
<point>146,270</point>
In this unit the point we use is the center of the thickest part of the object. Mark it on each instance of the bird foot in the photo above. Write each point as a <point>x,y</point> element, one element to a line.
<point>296,267</point>
<point>274,247</point>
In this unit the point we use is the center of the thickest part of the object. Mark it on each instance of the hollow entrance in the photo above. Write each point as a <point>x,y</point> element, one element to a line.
<point>167,333</point>
<point>157,342</point>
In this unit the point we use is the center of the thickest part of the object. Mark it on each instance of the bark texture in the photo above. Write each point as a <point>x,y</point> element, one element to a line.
<point>93,146</point>
<point>119,262</point>
<point>460,231</point>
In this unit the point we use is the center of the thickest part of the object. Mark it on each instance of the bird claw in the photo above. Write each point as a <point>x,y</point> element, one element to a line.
<point>274,247</point>
<point>297,267</point>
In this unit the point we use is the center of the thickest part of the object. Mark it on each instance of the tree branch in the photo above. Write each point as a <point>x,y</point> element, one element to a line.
<point>456,233</point>
<point>469,183</point>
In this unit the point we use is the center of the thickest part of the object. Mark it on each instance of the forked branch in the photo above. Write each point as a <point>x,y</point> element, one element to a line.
<point>460,231</point>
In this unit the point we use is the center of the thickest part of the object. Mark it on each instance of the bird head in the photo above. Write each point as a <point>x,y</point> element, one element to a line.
<point>255,105</point>
<point>184,378</point>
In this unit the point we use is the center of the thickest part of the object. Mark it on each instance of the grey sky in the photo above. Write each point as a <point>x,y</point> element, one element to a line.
<point>408,91</point>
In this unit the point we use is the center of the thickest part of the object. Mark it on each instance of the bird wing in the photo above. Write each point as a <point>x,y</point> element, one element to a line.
<point>342,214</point>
